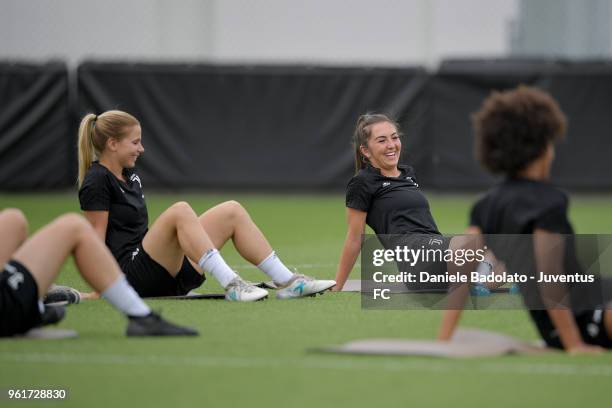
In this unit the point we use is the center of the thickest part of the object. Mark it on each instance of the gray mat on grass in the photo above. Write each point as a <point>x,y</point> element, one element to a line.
<point>46,334</point>
<point>467,343</point>
<point>192,296</point>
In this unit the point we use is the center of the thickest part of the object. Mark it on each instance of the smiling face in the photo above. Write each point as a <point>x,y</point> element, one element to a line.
<point>383,147</point>
<point>127,149</point>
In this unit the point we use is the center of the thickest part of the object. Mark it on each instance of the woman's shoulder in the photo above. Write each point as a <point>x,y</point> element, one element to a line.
<point>409,170</point>
<point>543,192</point>
<point>360,176</point>
<point>525,194</point>
<point>96,174</point>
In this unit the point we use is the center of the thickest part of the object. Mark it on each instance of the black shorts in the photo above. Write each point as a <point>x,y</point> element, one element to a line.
<point>591,325</point>
<point>434,265</point>
<point>150,279</point>
<point>19,310</point>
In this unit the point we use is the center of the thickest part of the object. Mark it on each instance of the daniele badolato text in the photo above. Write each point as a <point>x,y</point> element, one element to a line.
<point>477,277</point>
<point>416,264</point>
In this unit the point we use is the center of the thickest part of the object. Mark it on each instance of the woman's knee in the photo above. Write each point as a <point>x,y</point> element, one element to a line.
<point>464,242</point>
<point>234,209</point>
<point>17,220</point>
<point>182,209</point>
<point>75,223</point>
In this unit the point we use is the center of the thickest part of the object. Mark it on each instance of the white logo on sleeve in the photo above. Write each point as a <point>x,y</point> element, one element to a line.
<point>386,184</point>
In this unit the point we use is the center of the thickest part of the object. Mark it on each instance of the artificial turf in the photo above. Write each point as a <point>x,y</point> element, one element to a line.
<point>255,354</point>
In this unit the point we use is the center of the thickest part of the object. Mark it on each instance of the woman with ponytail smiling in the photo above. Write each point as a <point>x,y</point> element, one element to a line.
<point>170,257</point>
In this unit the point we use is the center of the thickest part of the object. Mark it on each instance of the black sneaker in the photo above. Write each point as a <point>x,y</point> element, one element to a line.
<point>52,315</point>
<point>58,293</point>
<point>154,325</point>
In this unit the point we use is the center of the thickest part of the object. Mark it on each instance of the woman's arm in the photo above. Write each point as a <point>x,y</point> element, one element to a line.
<point>352,245</point>
<point>455,299</point>
<point>497,266</point>
<point>99,221</point>
<point>549,250</point>
<point>450,320</point>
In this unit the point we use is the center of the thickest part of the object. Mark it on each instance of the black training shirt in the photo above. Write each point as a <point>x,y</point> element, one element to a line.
<point>395,205</point>
<point>519,206</point>
<point>128,219</point>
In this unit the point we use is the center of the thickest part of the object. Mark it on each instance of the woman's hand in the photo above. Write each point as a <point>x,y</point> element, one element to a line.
<point>89,295</point>
<point>583,348</point>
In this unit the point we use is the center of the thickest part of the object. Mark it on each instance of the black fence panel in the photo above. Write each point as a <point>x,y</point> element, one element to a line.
<point>290,127</point>
<point>583,90</point>
<point>249,127</point>
<point>34,126</point>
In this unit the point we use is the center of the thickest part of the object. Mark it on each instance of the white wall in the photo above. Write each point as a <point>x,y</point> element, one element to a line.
<point>383,32</point>
<point>361,31</point>
<point>473,28</point>
<point>77,29</point>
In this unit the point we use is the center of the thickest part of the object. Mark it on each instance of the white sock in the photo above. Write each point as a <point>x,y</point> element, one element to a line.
<point>276,269</point>
<point>213,262</point>
<point>121,295</point>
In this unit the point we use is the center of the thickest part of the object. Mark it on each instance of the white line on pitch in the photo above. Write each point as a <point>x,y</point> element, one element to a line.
<point>561,369</point>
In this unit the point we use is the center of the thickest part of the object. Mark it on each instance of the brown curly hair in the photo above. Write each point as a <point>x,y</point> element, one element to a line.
<point>514,127</point>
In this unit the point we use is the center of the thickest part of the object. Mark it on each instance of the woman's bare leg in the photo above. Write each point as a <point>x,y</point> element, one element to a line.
<point>45,252</point>
<point>14,227</point>
<point>229,220</point>
<point>174,234</point>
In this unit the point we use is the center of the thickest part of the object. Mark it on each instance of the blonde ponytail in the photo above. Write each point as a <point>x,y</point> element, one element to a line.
<point>86,148</point>
<point>94,131</point>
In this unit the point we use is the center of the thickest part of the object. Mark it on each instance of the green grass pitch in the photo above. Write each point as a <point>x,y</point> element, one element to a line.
<point>254,354</point>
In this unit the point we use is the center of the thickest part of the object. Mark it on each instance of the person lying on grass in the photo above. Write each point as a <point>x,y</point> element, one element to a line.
<point>30,266</point>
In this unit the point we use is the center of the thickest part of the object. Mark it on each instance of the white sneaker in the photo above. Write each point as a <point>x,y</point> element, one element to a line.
<point>241,291</point>
<point>302,285</point>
